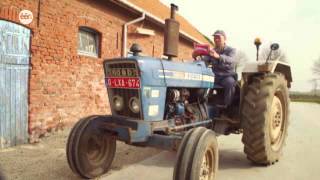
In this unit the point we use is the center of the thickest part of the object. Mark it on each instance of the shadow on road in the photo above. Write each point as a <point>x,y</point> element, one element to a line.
<point>233,159</point>
<point>228,159</point>
<point>166,159</point>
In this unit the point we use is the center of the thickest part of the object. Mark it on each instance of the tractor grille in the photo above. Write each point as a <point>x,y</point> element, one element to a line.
<point>126,94</point>
<point>118,69</point>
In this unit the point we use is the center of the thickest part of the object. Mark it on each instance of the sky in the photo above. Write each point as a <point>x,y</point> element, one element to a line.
<point>294,24</point>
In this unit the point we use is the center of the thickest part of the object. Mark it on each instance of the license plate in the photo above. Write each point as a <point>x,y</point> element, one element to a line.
<point>123,82</point>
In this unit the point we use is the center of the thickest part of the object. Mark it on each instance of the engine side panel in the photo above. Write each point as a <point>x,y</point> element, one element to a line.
<point>159,75</point>
<point>153,102</point>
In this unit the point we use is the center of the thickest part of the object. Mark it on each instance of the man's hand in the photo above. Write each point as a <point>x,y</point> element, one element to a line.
<point>214,54</point>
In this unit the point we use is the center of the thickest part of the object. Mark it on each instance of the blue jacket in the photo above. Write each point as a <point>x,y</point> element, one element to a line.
<point>225,66</point>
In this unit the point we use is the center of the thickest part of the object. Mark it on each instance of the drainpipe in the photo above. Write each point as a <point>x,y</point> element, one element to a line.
<point>125,33</point>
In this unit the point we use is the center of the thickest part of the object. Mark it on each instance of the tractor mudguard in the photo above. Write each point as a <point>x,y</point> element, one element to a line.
<point>270,67</point>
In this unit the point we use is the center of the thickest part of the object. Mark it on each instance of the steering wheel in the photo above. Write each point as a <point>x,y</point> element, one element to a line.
<point>201,54</point>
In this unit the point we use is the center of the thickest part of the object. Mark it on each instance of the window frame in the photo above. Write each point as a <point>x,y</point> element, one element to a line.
<point>97,38</point>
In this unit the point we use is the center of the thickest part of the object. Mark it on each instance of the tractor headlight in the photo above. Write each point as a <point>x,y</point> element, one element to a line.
<point>134,105</point>
<point>117,102</point>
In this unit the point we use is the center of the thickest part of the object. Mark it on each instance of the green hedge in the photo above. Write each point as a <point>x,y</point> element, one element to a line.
<point>304,98</point>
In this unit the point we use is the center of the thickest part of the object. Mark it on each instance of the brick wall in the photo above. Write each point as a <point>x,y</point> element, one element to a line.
<point>63,85</point>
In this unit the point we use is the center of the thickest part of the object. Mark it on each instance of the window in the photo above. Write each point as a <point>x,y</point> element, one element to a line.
<point>88,42</point>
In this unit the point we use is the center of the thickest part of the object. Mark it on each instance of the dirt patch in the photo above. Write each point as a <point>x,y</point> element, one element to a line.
<point>47,159</point>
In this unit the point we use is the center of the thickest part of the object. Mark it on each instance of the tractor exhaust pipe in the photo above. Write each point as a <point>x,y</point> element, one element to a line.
<point>171,34</point>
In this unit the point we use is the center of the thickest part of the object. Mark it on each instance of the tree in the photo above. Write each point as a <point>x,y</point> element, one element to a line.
<point>315,86</point>
<point>241,59</point>
<point>316,71</point>
<point>275,55</point>
<point>316,68</point>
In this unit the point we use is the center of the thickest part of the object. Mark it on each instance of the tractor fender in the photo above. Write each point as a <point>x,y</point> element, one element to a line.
<point>270,67</point>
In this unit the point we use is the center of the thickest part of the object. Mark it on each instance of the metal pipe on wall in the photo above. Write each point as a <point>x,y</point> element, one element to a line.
<point>125,33</point>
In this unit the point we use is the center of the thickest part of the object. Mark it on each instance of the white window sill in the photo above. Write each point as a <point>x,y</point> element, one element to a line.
<point>87,54</point>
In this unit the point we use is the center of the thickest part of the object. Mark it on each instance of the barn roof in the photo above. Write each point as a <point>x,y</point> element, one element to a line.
<point>158,12</point>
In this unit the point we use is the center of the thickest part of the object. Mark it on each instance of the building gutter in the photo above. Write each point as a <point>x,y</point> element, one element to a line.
<point>156,19</point>
<point>125,33</point>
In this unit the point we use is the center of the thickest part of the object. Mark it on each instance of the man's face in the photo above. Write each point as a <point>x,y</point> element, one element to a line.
<point>219,40</point>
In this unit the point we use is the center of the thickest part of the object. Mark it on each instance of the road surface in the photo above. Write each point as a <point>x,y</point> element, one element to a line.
<point>301,157</point>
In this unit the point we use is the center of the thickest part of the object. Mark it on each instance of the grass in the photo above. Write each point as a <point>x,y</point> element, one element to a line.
<point>305,98</point>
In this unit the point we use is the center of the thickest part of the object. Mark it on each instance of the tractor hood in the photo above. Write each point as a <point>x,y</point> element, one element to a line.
<point>159,72</point>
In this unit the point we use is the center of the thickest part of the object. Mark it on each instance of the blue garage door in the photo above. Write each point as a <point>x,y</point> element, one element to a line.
<point>14,71</point>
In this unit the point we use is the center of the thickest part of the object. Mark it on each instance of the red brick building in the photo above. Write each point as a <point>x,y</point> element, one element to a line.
<point>63,49</point>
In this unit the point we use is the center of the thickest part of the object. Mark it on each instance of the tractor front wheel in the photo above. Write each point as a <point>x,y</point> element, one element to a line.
<point>265,118</point>
<point>90,150</point>
<point>197,156</point>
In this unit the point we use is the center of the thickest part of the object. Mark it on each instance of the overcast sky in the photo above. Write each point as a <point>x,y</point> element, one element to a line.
<point>294,24</point>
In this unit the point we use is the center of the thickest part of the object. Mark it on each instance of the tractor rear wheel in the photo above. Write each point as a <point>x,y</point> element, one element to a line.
<point>90,150</point>
<point>265,118</point>
<point>197,156</point>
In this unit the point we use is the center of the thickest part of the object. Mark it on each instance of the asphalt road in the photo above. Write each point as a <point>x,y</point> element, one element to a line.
<point>300,161</point>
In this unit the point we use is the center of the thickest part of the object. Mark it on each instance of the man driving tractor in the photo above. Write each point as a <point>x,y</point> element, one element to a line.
<point>223,59</point>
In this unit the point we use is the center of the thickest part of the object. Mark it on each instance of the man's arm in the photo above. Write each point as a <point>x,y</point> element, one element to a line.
<point>229,57</point>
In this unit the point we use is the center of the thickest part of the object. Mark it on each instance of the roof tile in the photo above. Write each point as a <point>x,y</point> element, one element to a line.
<point>161,11</point>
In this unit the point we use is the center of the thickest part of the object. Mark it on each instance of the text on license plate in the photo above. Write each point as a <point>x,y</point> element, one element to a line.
<point>123,82</point>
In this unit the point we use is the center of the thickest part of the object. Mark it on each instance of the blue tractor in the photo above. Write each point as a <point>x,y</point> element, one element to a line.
<point>173,106</point>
